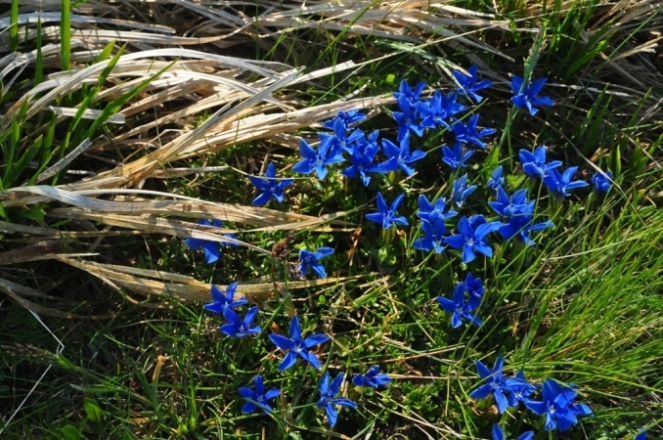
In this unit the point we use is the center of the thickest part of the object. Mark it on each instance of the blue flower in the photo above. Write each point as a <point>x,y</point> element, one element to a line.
<point>295,346</point>
<point>407,119</point>
<point>534,163</point>
<point>362,156</point>
<point>517,211</point>
<point>258,398</point>
<point>434,238</point>
<point>472,237</point>
<point>520,389</point>
<point>340,141</point>
<point>211,248</point>
<point>468,84</point>
<point>496,384</point>
<point>348,119</point>
<point>329,399</point>
<point>372,378</point>
<point>474,287</point>
<point>270,187</point>
<point>498,434</point>
<point>410,94</point>
<point>558,406</point>
<point>527,95</point>
<point>238,327</point>
<point>400,157</point>
<point>326,155</point>
<point>438,109</point>
<point>433,212</point>
<point>386,216</point>
<point>454,157</point>
<point>560,184</point>
<point>467,134</point>
<point>602,181</point>
<point>459,308</point>
<point>461,191</point>
<point>496,180</point>
<point>311,259</point>
<point>223,301</point>
<point>641,436</point>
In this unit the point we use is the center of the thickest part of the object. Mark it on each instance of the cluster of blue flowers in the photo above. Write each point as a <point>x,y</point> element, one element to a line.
<point>514,217</point>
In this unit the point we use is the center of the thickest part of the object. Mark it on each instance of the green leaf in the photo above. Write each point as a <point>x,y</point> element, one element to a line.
<point>93,411</point>
<point>70,432</point>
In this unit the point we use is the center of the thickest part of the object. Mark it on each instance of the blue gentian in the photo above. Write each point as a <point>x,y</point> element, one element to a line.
<point>400,157</point>
<point>237,326</point>
<point>407,119</point>
<point>527,96</point>
<point>472,237</point>
<point>410,94</point>
<point>520,389</point>
<point>340,139</point>
<point>353,117</point>
<point>461,191</point>
<point>372,378</point>
<point>469,85</point>
<point>498,434</point>
<point>223,301</point>
<point>496,180</point>
<point>496,384</point>
<point>310,259</point>
<point>438,109</point>
<point>518,213</point>
<point>362,157</point>
<point>459,308</point>
<point>454,157</point>
<point>387,216</point>
<point>210,248</point>
<point>295,346</point>
<point>602,181</point>
<point>561,413</point>
<point>326,155</point>
<point>435,234</point>
<point>641,436</point>
<point>560,183</point>
<point>328,397</point>
<point>270,187</point>
<point>474,287</point>
<point>534,163</point>
<point>467,134</point>
<point>258,398</point>
<point>435,211</point>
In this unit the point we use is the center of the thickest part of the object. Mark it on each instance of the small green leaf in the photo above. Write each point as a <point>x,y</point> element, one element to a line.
<point>70,432</point>
<point>93,411</point>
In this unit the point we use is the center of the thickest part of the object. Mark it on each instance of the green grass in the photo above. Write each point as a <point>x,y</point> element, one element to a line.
<point>142,359</point>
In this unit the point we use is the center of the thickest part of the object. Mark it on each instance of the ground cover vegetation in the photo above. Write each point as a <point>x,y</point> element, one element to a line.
<point>331,219</point>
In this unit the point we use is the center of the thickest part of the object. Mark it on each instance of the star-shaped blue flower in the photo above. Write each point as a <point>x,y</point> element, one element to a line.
<point>467,133</point>
<point>223,301</point>
<point>454,157</point>
<point>318,160</point>
<point>295,346</point>
<point>461,191</point>
<point>410,94</point>
<point>311,260</point>
<point>434,238</point>
<point>459,308</point>
<point>498,434</point>
<point>534,163</point>
<point>469,85</point>
<point>474,287</point>
<point>328,397</point>
<point>433,212</point>
<point>517,211</point>
<point>353,117</point>
<point>372,378</point>
<point>527,95</point>
<point>472,237</point>
<point>270,186</point>
<point>400,157</point>
<point>258,398</point>
<point>210,248</point>
<point>362,157</point>
<point>496,384</point>
<point>496,180</point>
<point>557,405</point>
<point>237,326</point>
<point>386,216</point>
<point>602,181</point>
<point>438,109</point>
<point>560,184</point>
